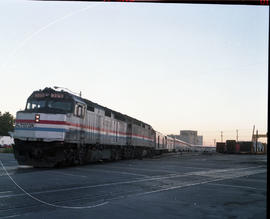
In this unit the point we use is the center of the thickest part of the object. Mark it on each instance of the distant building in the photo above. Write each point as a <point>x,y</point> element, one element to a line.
<point>200,139</point>
<point>6,140</point>
<point>189,136</point>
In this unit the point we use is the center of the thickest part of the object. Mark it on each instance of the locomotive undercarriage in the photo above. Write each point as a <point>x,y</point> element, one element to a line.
<point>58,154</point>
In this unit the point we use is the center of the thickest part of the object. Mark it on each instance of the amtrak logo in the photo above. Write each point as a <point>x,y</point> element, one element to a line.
<point>24,125</point>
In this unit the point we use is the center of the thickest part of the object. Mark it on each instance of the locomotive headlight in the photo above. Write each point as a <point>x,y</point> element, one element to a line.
<point>37,117</point>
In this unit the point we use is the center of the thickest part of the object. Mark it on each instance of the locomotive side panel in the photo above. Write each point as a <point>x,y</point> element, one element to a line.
<point>149,133</point>
<point>90,125</point>
<point>136,136</point>
<point>107,129</point>
<point>99,129</point>
<point>142,136</point>
<point>122,133</point>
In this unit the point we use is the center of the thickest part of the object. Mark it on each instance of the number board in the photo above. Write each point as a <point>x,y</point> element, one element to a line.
<point>52,95</point>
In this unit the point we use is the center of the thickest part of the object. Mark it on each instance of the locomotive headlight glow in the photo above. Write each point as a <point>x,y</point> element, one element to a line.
<point>37,118</point>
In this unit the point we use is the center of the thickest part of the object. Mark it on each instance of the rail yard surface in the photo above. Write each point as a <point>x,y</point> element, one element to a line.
<point>188,185</point>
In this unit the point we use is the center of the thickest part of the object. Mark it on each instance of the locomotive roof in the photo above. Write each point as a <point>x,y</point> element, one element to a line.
<point>113,111</point>
<point>90,103</point>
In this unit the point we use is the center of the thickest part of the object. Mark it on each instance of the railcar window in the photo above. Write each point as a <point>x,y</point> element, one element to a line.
<point>119,117</point>
<point>108,113</point>
<point>90,108</point>
<point>136,123</point>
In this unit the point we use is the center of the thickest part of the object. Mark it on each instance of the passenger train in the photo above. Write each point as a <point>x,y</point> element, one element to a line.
<point>58,128</point>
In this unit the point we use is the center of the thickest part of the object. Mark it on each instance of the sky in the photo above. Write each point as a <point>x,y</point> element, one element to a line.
<point>173,66</point>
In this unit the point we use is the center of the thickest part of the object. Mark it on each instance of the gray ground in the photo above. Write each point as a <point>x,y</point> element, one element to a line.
<point>171,186</point>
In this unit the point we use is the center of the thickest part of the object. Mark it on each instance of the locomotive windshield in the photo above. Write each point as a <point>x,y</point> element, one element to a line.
<point>35,104</point>
<point>49,105</point>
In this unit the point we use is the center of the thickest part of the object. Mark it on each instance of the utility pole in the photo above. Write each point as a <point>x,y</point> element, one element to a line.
<point>252,138</point>
<point>256,140</point>
<point>236,135</point>
<point>214,142</point>
<point>221,136</point>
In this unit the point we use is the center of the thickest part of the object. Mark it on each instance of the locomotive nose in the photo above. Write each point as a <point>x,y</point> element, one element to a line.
<point>40,127</point>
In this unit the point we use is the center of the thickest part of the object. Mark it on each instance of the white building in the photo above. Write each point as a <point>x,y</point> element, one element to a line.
<point>189,136</point>
<point>6,140</point>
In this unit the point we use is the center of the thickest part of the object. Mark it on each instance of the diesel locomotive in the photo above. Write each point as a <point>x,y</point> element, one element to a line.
<point>58,128</point>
